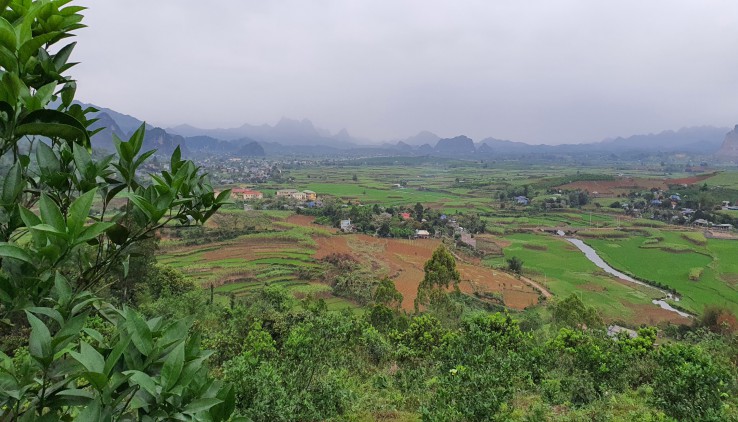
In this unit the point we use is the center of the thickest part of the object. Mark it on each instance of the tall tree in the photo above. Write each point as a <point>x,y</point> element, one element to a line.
<point>440,273</point>
<point>419,211</point>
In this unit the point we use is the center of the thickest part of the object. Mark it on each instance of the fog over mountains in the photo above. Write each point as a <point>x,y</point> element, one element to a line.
<point>301,137</point>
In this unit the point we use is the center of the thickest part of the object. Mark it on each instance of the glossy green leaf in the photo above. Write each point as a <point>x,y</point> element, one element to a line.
<point>173,367</point>
<point>143,380</point>
<point>8,60</point>
<point>139,331</point>
<point>40,342</point>
<point>82,158</point>
<point>115,354</point>
<point>8,250</point>
<point>49,229</point>
<point>44,93</point>
<point>13,184</point>
<point>53,124</point>
<point>146,207</point>
<point>30,47</point>
<point>62,56</point>
<point>68,93</point>
<point>93,231</point>
<point>79,211</point>
<point>30,219</point>
<point>62,288</point>
<point>50,214</point>
<point>90,358</point>
<point>201,405</point>
<point>7,35</point>
<point>175,160</point>
<point>49,312</point>
<point>47,160</point>
<point>223,411</point>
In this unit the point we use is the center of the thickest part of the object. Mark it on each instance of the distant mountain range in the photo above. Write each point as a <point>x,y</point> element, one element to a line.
<point>301,138</point>
<point>285,132</point>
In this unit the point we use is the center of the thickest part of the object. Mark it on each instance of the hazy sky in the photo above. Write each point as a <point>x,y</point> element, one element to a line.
<point>547,71</point>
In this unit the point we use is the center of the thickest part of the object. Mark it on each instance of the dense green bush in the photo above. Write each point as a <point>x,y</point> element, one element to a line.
<point>690,385</point>
<point>67,353</point>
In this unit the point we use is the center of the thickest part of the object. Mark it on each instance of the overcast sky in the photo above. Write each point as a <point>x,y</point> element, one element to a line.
<point>540,71</point>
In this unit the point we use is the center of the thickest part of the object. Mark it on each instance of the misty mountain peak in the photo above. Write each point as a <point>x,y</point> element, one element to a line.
<point>423,137</point>
<point>294,124</point>
<point>729,148</point>
<point>343,135</point>
<point>458,145</point>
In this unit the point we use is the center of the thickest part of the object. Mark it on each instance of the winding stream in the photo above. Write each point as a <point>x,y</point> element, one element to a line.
<point>591,254</point>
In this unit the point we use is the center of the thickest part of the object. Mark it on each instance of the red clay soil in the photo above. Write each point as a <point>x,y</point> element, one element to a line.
<point>690,180</point>
<point>403,261</point>
<point>304,220</point>
<point>331,245</point>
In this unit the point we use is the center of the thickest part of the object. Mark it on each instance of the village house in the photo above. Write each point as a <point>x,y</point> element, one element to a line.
<point>245,194</point>
<point>723,227</point>
<point>701,222</point>
<point>310,195</point>
<point>286,193</point>
<point>422,234</point>
<point>346,226</point>
<point>467,239</point>
<point>521,200</point>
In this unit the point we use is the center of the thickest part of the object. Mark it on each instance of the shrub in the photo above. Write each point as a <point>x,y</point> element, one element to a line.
<point>689,385</point>
<point>696,273</point>
<point>695,237</point>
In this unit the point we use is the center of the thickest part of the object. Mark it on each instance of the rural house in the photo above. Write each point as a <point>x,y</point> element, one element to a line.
<point>346,226</point>
<point>286,193</point>
<point>422,234</point>
<point>245,194</point>
<point>701,222</point>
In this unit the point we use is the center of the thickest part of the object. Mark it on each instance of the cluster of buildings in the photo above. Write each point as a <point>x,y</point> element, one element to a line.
<point>245,194</point>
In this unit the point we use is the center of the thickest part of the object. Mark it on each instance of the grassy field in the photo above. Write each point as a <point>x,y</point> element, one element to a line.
<point>726,179</point>
<point>565,270</point>
<point>670,261</point>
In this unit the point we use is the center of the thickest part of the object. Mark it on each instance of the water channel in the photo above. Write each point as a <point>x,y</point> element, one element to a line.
<point>591,254</point>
